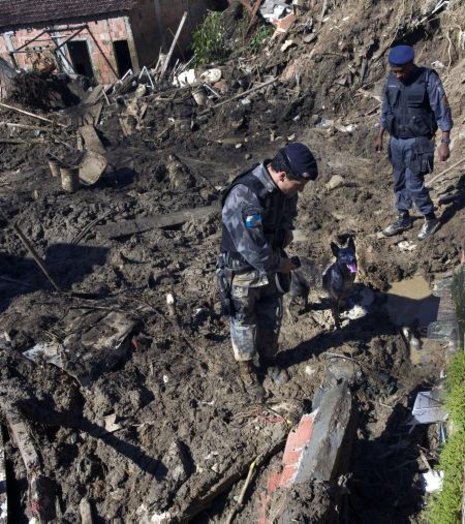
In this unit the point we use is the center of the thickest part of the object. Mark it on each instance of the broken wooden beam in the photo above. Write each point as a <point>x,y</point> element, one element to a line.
<point>32,115</point>
<point>171,220</point>
<point>41,501</point>
<point>442,173</point>
<point>35,256</point>
<point>91,139</point>
<point>173,45</point>
<point>240,95</point>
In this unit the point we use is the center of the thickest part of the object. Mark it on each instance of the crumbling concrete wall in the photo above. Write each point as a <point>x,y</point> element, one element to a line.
<point>99,36</point>
<point>148,28</point>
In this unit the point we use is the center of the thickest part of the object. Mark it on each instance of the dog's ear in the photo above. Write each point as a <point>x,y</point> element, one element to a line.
<point>334,248</point>
<point>351,243</point>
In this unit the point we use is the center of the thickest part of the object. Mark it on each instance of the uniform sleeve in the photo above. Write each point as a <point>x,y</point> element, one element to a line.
<point>386,109</point>
<point>242,217</point>
<point>439,103</point>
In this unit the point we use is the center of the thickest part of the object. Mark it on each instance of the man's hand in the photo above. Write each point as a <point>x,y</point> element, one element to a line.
<point>443,151</point>
<point>379,143</point>
<point>287,265</point>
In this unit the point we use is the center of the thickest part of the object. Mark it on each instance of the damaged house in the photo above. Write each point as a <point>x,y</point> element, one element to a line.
<point>100,39</point>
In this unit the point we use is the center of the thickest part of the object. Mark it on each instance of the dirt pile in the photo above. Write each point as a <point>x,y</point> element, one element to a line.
<point>162,429</point>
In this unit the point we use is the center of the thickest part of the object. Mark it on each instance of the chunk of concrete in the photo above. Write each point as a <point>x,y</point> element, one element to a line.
<point>329,430</point>
<point>313,449</point>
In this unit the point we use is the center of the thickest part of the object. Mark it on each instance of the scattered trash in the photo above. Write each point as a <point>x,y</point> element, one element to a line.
<point>273,10</point>
<point>110,423</point>
<point>334,182</point>
<point>432,481</point>
<point>97,342</point>
<point>427,408</point>
<point>406,245</point>
<point>186,78</point>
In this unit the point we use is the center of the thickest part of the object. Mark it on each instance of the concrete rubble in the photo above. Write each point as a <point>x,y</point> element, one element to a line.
<point>313,449</point>
<point>120,397</point>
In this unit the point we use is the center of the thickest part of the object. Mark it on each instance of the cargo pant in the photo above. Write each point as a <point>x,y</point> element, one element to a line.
<point>411,159</point>
<point>256,322</point>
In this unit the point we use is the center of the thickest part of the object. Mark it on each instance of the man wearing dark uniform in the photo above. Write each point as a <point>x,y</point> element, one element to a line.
<point>414,106</point>
<point>258,213</point>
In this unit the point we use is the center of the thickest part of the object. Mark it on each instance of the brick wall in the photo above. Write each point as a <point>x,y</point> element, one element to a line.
<point>145,34</point>
<point>99,36</point>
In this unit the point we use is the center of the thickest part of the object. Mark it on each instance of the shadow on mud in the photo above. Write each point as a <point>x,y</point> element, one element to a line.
<point>68,264</point>
<point>120,177</point>
<point>362,330</point>
<point>39,411</point>
<point>384,469</point>
<point>453,199</point>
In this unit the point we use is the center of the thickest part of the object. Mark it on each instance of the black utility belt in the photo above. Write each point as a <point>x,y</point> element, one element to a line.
<point>429,137</point>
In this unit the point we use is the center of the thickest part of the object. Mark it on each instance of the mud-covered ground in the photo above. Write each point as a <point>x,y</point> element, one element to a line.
<point>161,428</point>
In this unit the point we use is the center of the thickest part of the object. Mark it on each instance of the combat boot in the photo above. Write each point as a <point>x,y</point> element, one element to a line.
<point>274,372</point>
<point>250,380</point>
<point>429,228</point>
<point>401,224</point>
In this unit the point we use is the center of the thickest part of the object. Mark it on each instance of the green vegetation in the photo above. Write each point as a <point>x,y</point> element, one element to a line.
<point>209,39</point>
<point>445,507</point>
<point>262,32</point>
<point>210,43</point>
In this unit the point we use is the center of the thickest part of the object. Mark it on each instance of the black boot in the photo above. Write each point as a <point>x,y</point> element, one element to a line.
<point>272,370</point>
<point>402,223</point>
<point>250,380</point>
<point>429,228</point>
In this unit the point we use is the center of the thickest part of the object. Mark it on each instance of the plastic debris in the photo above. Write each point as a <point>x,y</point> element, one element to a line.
<point>427,408</point>
<point>432,481</point>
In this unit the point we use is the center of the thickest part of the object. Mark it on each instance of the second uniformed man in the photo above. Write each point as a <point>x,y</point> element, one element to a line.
<point>258,213</point>
<point>414,106</point>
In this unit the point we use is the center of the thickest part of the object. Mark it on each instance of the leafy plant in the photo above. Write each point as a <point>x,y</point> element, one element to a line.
<point>262,32</point>
<point>208,39</point>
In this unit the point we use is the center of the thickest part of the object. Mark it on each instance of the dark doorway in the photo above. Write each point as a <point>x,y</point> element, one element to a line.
<point>80,58</point>
<point>123,57</point>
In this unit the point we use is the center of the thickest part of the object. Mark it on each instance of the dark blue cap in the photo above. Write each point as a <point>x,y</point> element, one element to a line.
<point>401,55</point>
<point>301,161</point>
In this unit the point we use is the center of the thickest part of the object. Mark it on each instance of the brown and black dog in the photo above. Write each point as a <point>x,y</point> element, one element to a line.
<point>339,277</point>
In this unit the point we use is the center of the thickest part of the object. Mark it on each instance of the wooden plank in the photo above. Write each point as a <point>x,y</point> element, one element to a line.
<point>131,227</point>
<point>32,115</point>
<point>173,45</point>
<point>91,139</point>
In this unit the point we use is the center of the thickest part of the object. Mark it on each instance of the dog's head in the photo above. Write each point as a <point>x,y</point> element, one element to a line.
<point>345,256</point>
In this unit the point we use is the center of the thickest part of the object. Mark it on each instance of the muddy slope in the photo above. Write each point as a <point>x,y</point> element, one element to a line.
<point>165,425</point>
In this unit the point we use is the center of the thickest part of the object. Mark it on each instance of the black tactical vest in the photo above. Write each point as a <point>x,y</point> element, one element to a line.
<point>274,207</point>
<point>412,115</point>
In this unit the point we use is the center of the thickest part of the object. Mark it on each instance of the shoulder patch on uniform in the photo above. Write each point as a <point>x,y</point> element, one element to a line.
<point>253,220</point>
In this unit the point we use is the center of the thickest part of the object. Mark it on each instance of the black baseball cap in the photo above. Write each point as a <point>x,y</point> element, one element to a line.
<point>300,160</point>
